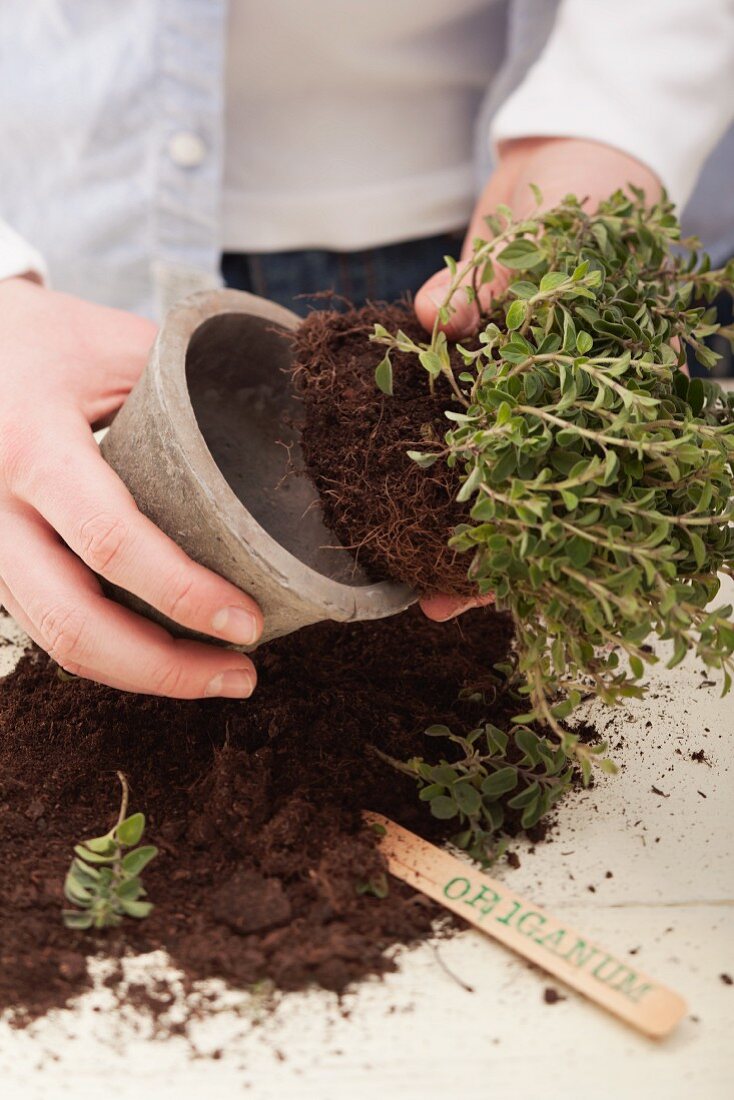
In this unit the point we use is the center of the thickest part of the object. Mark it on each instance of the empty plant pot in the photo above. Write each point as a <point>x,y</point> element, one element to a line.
<point>208,445</point>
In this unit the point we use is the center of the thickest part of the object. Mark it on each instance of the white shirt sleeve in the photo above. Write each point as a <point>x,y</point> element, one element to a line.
<point>17,257</point>
<point>654,78</point>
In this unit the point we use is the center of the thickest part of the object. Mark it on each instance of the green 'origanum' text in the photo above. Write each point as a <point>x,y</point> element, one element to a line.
<point>489,903</point>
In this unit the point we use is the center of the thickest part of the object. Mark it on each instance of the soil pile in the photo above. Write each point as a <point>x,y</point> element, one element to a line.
<point>394,517</point>
<point>255,806</point>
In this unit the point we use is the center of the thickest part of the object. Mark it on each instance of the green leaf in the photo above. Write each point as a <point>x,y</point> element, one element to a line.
<point>584,342</point>
<point>516,314</point>
<point>130,830</point>
<point>84,873</point>
<point>526,797</point>
<point>467,797</point>
<point>471,485</point>
<point>431,791</point>
<point>497,740</point>
<point>532,814</point>
<point>422,459</point>
<point>521,255</point>
<point>383,376</point>
<point>138,909</point>
<point>463,839</point>
<point>552,281</point>
<point>92,857</point>
<point>529,743</point>
<point>77,892</point>
<point>134,862</point>
<point>101,845</point>
<point>443,807</point>
<point>499,783</point>
<point>580,551</point>
<point>699,548</point>
<point>521,288</point>
<point>637,667</point>
<point>431,362</point>
<point>74,919</point>
<point>130,888</point>
<point>695,395</point>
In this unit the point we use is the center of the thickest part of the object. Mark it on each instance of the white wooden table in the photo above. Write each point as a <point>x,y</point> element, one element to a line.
<point>419,1033</point>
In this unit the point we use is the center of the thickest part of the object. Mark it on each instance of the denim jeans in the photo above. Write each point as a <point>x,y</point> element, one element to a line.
<point>378,274</point>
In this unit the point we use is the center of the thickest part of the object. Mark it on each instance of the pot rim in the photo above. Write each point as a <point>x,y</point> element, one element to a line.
<point>168,360</point>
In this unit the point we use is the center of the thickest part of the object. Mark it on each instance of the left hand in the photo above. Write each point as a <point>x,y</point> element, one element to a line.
<point>558,166</point>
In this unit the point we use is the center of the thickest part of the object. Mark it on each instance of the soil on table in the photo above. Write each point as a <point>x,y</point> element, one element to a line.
<point>255,806</point>
<point>395,517</point>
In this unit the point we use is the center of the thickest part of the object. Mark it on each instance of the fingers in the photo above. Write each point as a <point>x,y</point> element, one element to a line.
<point>58,601</point>
<point>16,611</point>
<point>87,504</point>
<point>442,608</point>
<point>466,314</point>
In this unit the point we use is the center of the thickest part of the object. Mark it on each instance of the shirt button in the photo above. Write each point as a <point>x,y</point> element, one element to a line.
<point>186,149</point>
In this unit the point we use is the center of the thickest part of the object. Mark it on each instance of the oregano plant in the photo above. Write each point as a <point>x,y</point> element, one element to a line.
<point>103,882</point>
<point>597,477</point>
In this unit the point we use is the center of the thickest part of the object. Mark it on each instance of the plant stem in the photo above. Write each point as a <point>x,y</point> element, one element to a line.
<point>123,803</point>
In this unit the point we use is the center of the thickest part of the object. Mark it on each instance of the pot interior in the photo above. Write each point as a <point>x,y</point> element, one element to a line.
<point>237,372</point>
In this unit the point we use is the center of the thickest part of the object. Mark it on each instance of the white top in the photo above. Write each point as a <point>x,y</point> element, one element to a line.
<point>346,125</point>
<point>354,127</point>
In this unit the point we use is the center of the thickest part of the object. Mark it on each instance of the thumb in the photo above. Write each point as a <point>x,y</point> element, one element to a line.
<point>465,314</point>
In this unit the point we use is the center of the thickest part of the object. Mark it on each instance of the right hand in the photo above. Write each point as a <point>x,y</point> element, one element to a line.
<point>66,365</point>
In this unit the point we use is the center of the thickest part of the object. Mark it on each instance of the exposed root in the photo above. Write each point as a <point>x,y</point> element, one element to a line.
<point>397,517</point>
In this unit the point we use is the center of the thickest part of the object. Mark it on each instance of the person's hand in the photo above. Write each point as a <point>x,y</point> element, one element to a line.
<point>65,366</point>
<point>558,166</point>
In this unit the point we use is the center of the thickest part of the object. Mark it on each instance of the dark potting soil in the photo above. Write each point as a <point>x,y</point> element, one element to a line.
<point>395,517</point>
<point>255,806</point>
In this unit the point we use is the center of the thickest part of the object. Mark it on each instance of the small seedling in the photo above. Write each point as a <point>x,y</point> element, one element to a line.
<point>103,881</point>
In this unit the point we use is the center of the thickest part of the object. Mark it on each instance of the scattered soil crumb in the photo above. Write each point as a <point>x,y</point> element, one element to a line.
<point>551,996</point>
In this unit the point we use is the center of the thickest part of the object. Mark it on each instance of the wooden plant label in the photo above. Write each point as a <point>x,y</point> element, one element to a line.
<point>492,908</point>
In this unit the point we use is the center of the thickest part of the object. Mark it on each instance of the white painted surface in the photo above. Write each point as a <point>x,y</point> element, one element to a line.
<point>418,1034</point>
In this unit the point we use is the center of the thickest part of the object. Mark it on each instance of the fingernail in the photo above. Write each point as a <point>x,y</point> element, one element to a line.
<point>236,625</point>
<point>235,683</point>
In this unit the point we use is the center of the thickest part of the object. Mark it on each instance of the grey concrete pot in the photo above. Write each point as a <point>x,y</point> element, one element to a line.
<point>207,444</point>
